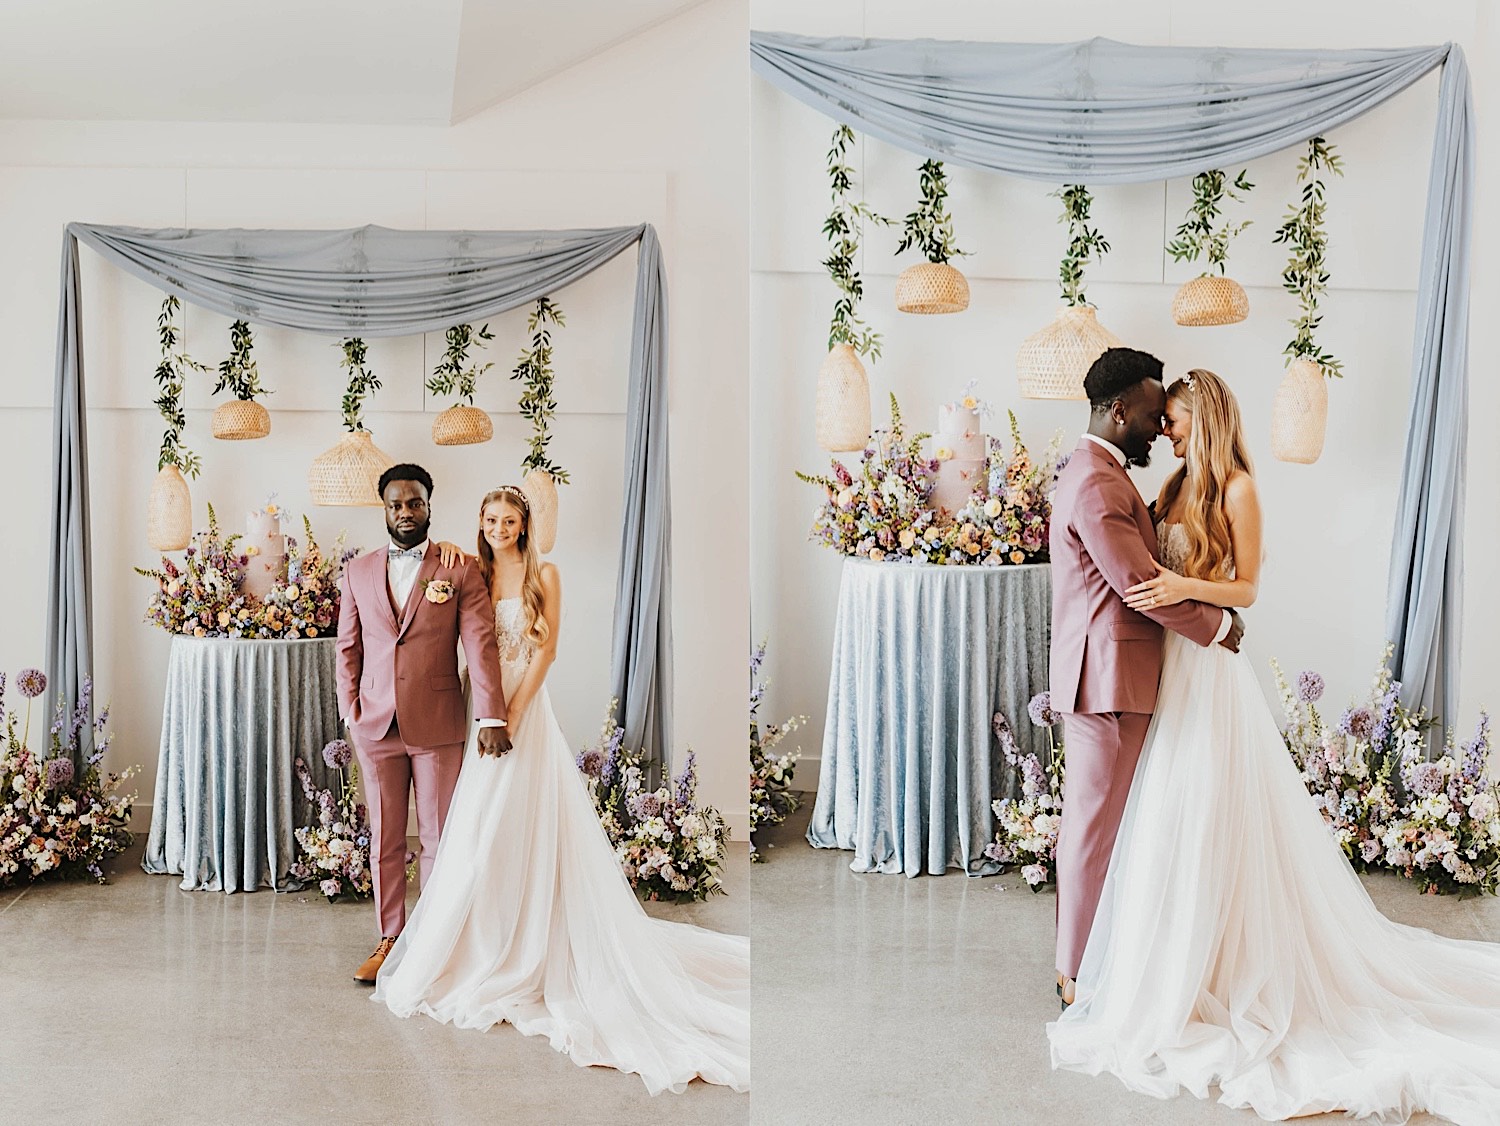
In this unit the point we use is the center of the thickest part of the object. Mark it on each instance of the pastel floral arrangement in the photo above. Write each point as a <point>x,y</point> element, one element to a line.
<point>204,596</point>
<point>1026,827</point>
<point>669,847</point>
<point>1388,803</point>
<point>57,821</point>
<point>882,513</point>
<point>334,851</point>
<point>772,798</point>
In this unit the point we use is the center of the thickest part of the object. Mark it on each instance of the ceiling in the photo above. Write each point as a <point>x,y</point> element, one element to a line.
<point>399,62</point>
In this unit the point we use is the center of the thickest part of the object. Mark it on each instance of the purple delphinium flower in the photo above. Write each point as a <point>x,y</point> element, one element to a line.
<point>338,754</point>
<point>32,683</point>
<point>1477,751</point>
<point>687,781</point>
<point>59,773</point>
<point>1309,687</point>
<point>1007,737</point>
<point>1425,779</point>
<point>1385,719</point>
<point>1040,710</point>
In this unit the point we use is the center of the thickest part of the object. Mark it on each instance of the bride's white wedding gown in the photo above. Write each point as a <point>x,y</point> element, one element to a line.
<point>527,918</point>
<point>1234,944</point>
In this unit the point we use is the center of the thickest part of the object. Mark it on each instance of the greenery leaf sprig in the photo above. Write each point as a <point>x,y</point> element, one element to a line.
<point>170,376</point>
<point>454,373</point>
<point>842,229</point>
<point>362,382</point>
<point>237,371</point>
<point>534,370</point>
<point>1199,236</point>
<point>1083,241</point>
<point>1306,274</point>
<point>930,227</point>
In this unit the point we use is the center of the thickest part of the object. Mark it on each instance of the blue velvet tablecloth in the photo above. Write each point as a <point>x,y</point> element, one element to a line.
<point>923,657</point>
<point>237,715</point>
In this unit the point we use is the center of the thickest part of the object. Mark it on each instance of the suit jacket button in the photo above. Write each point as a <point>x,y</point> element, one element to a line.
<point>400,641</point>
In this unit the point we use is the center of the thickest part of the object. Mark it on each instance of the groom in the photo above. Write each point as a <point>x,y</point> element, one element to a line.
<point>401,618</point>
<point>1106,657</point>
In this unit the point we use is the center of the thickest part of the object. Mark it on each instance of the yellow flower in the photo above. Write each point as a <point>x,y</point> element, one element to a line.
<point>908,537</point>
<point>1018,557</point>
<point>972,548</point>
<point>252,550</point>
<point>876,555</point>
<point>312,631</point>
<point>992,507</point>
<point>970,402</point>
<point>293,592</point>
<point>272,510</point>
<point>942,453</point>
<point>223,617</point>
<point>245,614</point>
<point>932,533</point>
<point>198,631</point>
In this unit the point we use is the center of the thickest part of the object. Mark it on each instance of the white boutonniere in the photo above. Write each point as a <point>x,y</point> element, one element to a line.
<point>437,590</point>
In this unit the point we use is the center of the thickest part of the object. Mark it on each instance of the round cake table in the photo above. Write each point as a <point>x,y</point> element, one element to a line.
<point>923,658</point>
<point>237,715</point>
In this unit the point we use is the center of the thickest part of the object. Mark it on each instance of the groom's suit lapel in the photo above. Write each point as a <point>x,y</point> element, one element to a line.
<point>1106,464</point>
<point>418,593</point>
<point>379,587</point>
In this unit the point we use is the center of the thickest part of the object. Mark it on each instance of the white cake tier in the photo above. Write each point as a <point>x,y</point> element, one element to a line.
<point>263,532</point>
<point>260,525</point>
<point>961,431</point>
<point>956,479</point>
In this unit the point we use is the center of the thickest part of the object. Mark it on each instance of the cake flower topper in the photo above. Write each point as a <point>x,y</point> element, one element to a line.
<point>273,509</point>
<point>971,402</point>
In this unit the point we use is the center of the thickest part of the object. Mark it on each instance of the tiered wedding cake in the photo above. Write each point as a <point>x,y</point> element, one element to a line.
<point>266,547</point>
<point>961,447</point>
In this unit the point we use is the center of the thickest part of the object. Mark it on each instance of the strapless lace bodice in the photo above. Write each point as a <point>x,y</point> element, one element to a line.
<point>510,635</point>
<point>1172,546</point>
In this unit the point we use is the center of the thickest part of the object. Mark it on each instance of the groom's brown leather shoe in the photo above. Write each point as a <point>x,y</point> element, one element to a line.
<point>365,975</point>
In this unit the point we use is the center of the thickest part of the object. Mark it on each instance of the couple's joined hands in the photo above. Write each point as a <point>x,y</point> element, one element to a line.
<point>1168,588</point>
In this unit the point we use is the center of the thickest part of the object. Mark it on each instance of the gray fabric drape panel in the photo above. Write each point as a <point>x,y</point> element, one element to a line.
<point>373,281</point>
<point>1103,112</point>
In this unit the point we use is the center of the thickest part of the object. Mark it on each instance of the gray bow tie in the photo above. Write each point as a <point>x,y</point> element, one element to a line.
<point>408,553</point>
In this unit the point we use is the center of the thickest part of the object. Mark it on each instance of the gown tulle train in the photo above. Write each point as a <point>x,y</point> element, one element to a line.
<point>527,918</point>
<point>1234,944</point>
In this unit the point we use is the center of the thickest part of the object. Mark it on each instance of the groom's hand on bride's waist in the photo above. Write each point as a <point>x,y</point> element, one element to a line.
<point>1236,631</point>
<point>494,741</point>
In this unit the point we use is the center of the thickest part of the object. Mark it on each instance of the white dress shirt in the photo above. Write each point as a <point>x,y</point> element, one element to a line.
<point>1119,455</point>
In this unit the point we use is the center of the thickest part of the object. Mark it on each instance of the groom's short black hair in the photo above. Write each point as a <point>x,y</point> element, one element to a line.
<point>406,471</point>
<point>1115,372</point>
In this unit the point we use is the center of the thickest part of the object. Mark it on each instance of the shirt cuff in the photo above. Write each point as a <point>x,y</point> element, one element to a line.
<point>1223,628</point>
<point>493,723</point>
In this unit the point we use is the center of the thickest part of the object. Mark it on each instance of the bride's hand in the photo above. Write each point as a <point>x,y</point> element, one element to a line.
<point>450,554</point>
<point>1167,589</point>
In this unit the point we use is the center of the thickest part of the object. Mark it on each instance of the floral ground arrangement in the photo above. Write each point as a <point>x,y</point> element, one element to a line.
<point>1389,801</point>
<point>772,799</point>
<point>881,510</point>
<point>669,847</point>
<point>203,596</point>
<point>334,851</point>
<point>55,820</point>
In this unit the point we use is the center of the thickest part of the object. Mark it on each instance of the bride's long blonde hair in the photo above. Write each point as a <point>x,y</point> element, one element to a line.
<point>1216,451</point>
<point>532,598</point>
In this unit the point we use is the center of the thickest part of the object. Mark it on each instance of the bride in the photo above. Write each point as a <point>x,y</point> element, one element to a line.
<point>527,917</point>
<point>1234,945</point>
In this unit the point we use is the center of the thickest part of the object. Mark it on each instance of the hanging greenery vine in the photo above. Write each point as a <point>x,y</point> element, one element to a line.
<point>842,229</point>
<point>362,382</point>
<point>1084,241</point>
<point>170,377</point>
<point>1199,236</point>
<point>534,370</point>
<point>454,374</point>
<point>930,227</point>
<point>1306,275</point>
<point>237,371</point>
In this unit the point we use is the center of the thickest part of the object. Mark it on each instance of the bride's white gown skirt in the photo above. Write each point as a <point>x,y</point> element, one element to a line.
<point>528,919</point>
<point>1234,945</point>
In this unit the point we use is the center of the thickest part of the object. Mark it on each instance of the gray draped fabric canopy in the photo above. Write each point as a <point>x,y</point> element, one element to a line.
<point>372,281</point>
<point>1105,112</point>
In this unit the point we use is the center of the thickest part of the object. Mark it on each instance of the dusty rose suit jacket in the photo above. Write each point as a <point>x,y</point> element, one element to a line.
<point>407,669</point>
<point>1106,657</point>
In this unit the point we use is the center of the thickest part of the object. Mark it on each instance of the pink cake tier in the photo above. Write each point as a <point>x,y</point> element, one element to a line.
<point>959,432</point>
<point>263,533</point>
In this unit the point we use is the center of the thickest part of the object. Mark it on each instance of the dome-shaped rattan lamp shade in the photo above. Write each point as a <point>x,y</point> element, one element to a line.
<point>1210,300</point>
<point>1299,416</point>
<point>462,425</point>
<point>932,287</point>
<point>240,419</point>
<point>843,403</point>
<point>1052,363</point>
<point>541,493</point>
<point>348,473</point>
<point>169,512</point>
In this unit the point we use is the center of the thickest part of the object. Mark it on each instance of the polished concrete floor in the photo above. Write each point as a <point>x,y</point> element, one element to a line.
<point>882,999</point>
<point>139,1003</point>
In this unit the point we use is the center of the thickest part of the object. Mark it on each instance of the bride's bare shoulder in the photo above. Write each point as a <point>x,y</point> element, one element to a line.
<point>1240,489</point>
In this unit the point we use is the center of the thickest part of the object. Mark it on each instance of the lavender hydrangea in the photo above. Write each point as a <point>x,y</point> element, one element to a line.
<point>338,754</point>
<point>32,683</point>
<point>1309,687</point>
<point>1040,710</point>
